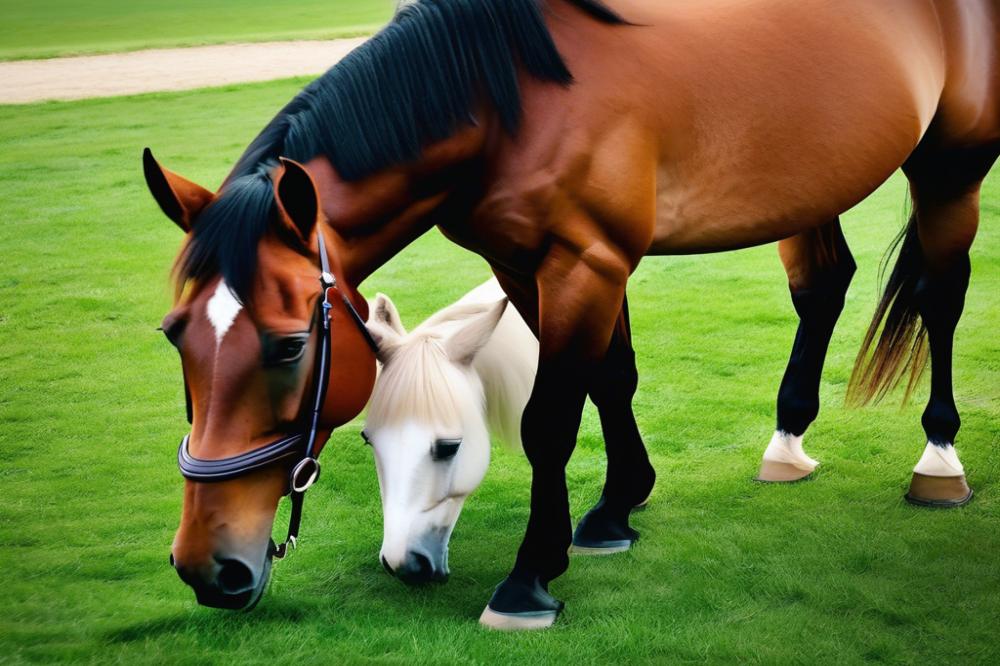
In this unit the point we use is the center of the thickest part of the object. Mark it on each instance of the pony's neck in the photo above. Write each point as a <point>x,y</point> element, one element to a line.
<point>373,219</point>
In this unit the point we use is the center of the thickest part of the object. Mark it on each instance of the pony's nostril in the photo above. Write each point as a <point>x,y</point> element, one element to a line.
<point>385,565</point>
<point>417,569</point>
<point>235,577</point>
<point>424,568</point>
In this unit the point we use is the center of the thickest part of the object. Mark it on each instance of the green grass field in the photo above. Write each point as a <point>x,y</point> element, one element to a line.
<point>835,569</point>
<point>47,28</point>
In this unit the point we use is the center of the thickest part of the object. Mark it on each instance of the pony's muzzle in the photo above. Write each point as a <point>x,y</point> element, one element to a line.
<point>418,568</point>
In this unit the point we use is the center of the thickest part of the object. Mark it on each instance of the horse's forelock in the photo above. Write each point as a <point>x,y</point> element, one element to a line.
<point>226,235</point>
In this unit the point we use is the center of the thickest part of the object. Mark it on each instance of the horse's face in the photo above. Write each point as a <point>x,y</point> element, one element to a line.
<point>247,374</point>
<point>249,370</point>
<point>426,425</point>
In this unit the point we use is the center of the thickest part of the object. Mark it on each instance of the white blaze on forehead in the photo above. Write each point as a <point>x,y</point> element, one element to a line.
<point>222,310</point>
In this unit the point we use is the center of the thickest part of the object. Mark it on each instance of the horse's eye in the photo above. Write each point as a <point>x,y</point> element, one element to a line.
<point>445,449</point>
<point>173,332</point>
<point>285,350</point>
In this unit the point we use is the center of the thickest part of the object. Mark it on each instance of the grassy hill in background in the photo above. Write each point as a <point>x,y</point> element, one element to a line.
<point>49,28</point>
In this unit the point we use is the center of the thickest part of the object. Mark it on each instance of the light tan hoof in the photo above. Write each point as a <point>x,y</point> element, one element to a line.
<point>943,492</point>
<point>781,472</point>
<point>517,621</point>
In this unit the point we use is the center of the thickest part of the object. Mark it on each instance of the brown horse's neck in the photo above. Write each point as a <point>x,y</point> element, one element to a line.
<point>373,219</point>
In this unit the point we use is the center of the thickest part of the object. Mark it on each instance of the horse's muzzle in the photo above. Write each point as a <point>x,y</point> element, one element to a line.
<point>225,583</point>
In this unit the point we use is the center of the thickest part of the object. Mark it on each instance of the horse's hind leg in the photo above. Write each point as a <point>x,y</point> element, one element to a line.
<point>630,476</point>
<point>819,267</point>
<point>946,224</point>
<point>922,303</point>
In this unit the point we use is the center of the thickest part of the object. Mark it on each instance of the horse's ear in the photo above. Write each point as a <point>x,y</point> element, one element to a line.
<point>386,340</point>
<point>383,311</point>
<point>179,198</point>
<point>298,203</point>
<point>463,345</point>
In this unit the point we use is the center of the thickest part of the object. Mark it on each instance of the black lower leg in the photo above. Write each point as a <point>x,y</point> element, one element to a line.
<point>818,308</point>
<point>630,476</point>
<point>549,427</point>
<point>940,300</point>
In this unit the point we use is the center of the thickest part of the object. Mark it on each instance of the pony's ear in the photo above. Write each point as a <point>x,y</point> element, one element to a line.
<point>463,345</point>
<point>298,203</point>
<point>387,341</point>
<point>383,311</point>
<point>179,198</point>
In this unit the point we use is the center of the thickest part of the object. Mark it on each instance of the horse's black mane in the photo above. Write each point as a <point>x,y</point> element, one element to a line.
<point>415,82</point>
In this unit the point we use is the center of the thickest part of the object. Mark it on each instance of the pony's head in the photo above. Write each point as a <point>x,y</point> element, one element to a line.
<point>427,427</point>
<point>247,325</point>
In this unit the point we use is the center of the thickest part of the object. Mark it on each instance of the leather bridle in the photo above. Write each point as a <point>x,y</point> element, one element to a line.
<point>299,448</point>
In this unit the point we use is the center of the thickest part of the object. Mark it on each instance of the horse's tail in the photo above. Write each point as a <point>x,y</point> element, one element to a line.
<point>901,348</point>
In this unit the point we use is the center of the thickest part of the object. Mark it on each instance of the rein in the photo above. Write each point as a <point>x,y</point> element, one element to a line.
<point>299,447</point>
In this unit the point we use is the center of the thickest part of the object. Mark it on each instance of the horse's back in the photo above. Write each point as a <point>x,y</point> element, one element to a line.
<point>720,124</point>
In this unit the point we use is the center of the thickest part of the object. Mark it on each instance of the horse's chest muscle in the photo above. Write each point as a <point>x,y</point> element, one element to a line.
<point>504,238</point>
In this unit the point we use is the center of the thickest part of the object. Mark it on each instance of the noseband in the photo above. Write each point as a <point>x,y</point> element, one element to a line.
<point>298,448</point>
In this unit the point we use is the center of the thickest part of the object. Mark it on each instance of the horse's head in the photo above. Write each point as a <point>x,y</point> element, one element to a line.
<point>427,426</point>
<point>250,339</point>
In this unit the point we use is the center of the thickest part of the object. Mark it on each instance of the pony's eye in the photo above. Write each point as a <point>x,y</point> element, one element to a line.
<point>285,350</point>
<point>445,449</point>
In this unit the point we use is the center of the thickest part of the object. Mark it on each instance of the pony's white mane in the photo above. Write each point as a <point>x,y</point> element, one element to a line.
<point>421,382</point>
<point>506,366</point>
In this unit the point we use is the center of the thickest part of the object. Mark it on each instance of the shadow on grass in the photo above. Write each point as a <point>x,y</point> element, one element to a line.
<point>337,598</point>
<point>279,611</point>
<point>146,630</point>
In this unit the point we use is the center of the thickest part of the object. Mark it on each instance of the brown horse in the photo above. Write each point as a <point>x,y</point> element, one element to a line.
<point>564,141</point>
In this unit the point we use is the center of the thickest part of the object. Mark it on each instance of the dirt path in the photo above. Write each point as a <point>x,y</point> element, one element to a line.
<point>165,69</point>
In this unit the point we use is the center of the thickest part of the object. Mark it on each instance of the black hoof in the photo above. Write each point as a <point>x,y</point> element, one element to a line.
<point>520,605</point>
<point>604,531</point>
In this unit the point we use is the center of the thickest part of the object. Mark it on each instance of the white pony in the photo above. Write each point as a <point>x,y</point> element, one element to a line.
<point>442,390</point>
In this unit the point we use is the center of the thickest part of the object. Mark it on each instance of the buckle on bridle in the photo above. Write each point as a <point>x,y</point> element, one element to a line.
<point>281,551</point>
<point>304,474</point>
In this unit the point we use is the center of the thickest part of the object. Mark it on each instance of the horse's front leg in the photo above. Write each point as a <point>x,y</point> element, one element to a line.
<point>579,298</point>
<point>630,477</point>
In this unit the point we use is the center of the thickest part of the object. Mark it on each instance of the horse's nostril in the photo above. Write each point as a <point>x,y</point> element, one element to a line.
<point>385,565</point>
<point>235,577</point>
<point>188,575</point>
